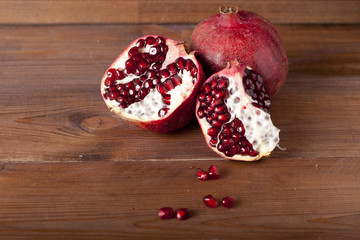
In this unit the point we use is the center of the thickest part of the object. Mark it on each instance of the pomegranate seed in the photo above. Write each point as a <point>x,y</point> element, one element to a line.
<point>154,50</point>
<point>177,80</point>
<point>201,174</point>
<point>200,113</point>
<point>120,74</point>
<point>130,65</point>
<point>163,48</point>
<point>150,40</point>
<point>133,51</point>
<point>164,73</point>
<point>159,40</point>
<point>161,58</point>
<point>166,213</point>
<point>210,201</point>
<point>140,43</point>
<point>173,68</point>
<point>156,66</point>
<point>227,202</point>
<point>143,65</point>
<point>169,84</point>
<point>166,99</point>
<point>188,65</point>
<point>181,63</point>
<point>213,142</point>
<point>214,172</point>
<point>161,88</point>
<point>213,132</point>
<point>163,112</point>
<point>182,213</point>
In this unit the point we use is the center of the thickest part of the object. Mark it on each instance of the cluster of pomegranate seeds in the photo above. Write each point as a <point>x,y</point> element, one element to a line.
<point>227,202</point>
<point>210,201</point>
<point>227,137</point>
<point>168,213</point>
<point>143,73</point>
<point>254,87</point>
<point>212,173</point>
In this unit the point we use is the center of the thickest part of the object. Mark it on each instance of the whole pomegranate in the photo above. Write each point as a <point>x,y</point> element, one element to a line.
<point>233,111</point>
<point>245,36</point>
<point>153,84</point>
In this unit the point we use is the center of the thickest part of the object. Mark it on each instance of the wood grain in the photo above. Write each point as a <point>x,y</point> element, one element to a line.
<point>275,199</point>
<point>170,11</point>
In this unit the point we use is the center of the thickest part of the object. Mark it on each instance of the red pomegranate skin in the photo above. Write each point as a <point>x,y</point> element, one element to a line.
<point>247,37</point>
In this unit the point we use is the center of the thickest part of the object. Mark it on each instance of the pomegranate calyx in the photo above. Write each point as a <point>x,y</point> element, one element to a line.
<point>228,9</point>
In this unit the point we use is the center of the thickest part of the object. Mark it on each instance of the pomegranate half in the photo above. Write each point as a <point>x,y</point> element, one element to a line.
<point>233,111</point>
<point>153,84</point>
<point>245,36</point>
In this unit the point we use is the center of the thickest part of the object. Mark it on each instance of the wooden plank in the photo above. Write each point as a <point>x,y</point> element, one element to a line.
<point>51,108</point>
<point>275,199</point>
<point>170,11</point>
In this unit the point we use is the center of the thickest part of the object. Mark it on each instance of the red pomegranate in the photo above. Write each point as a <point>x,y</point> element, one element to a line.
<point>245,36</point>
<point>153,84</point>
<point>233,111</point>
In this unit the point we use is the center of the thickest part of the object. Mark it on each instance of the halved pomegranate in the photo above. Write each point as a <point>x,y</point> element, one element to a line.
<point>233,111</point>
<point>153,84</point>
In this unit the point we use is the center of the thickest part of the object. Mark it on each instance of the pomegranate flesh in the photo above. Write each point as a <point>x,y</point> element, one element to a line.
<point>233,111</point>
<point>245,36</point>
<point>153,84</point>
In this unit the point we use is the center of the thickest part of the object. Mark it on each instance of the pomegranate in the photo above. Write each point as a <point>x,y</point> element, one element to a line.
<point>233,111</point>
<point>153,84</point>
<point>245,36</point>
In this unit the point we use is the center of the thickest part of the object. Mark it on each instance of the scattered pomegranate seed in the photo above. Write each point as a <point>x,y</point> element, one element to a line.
<point>182,213</point>
<point>214,172</point>
<point>166,213</point>
<point>227,202</point>
<point>210,201</point>
<point>201,174</point>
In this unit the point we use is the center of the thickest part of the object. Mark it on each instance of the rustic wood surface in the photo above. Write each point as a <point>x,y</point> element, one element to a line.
<point>69,169</point>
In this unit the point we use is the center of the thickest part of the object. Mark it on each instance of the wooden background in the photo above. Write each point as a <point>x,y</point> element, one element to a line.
<point>70,170</point>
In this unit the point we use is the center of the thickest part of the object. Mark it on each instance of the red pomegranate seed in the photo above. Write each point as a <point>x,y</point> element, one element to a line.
<point>166,213</point>
<point>214,172</point>
<point>150,40</point>
<point>227,202</point>
<point>182,213</point>
<point>172,68</point>
<point>140,43</point>
<point>210,201</point>
<point>163,112</point>
<point>133,51</point>
<point>201,174</point>
<point>181,63</point>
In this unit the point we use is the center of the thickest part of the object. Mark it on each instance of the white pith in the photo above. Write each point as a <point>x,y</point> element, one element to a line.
<point>259,129</point>
<point>148,108</point>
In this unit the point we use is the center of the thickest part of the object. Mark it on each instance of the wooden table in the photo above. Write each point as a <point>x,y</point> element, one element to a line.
<point>71,170</point>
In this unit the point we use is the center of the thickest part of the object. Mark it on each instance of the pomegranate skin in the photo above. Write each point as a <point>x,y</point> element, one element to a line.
<point>245,36</point>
